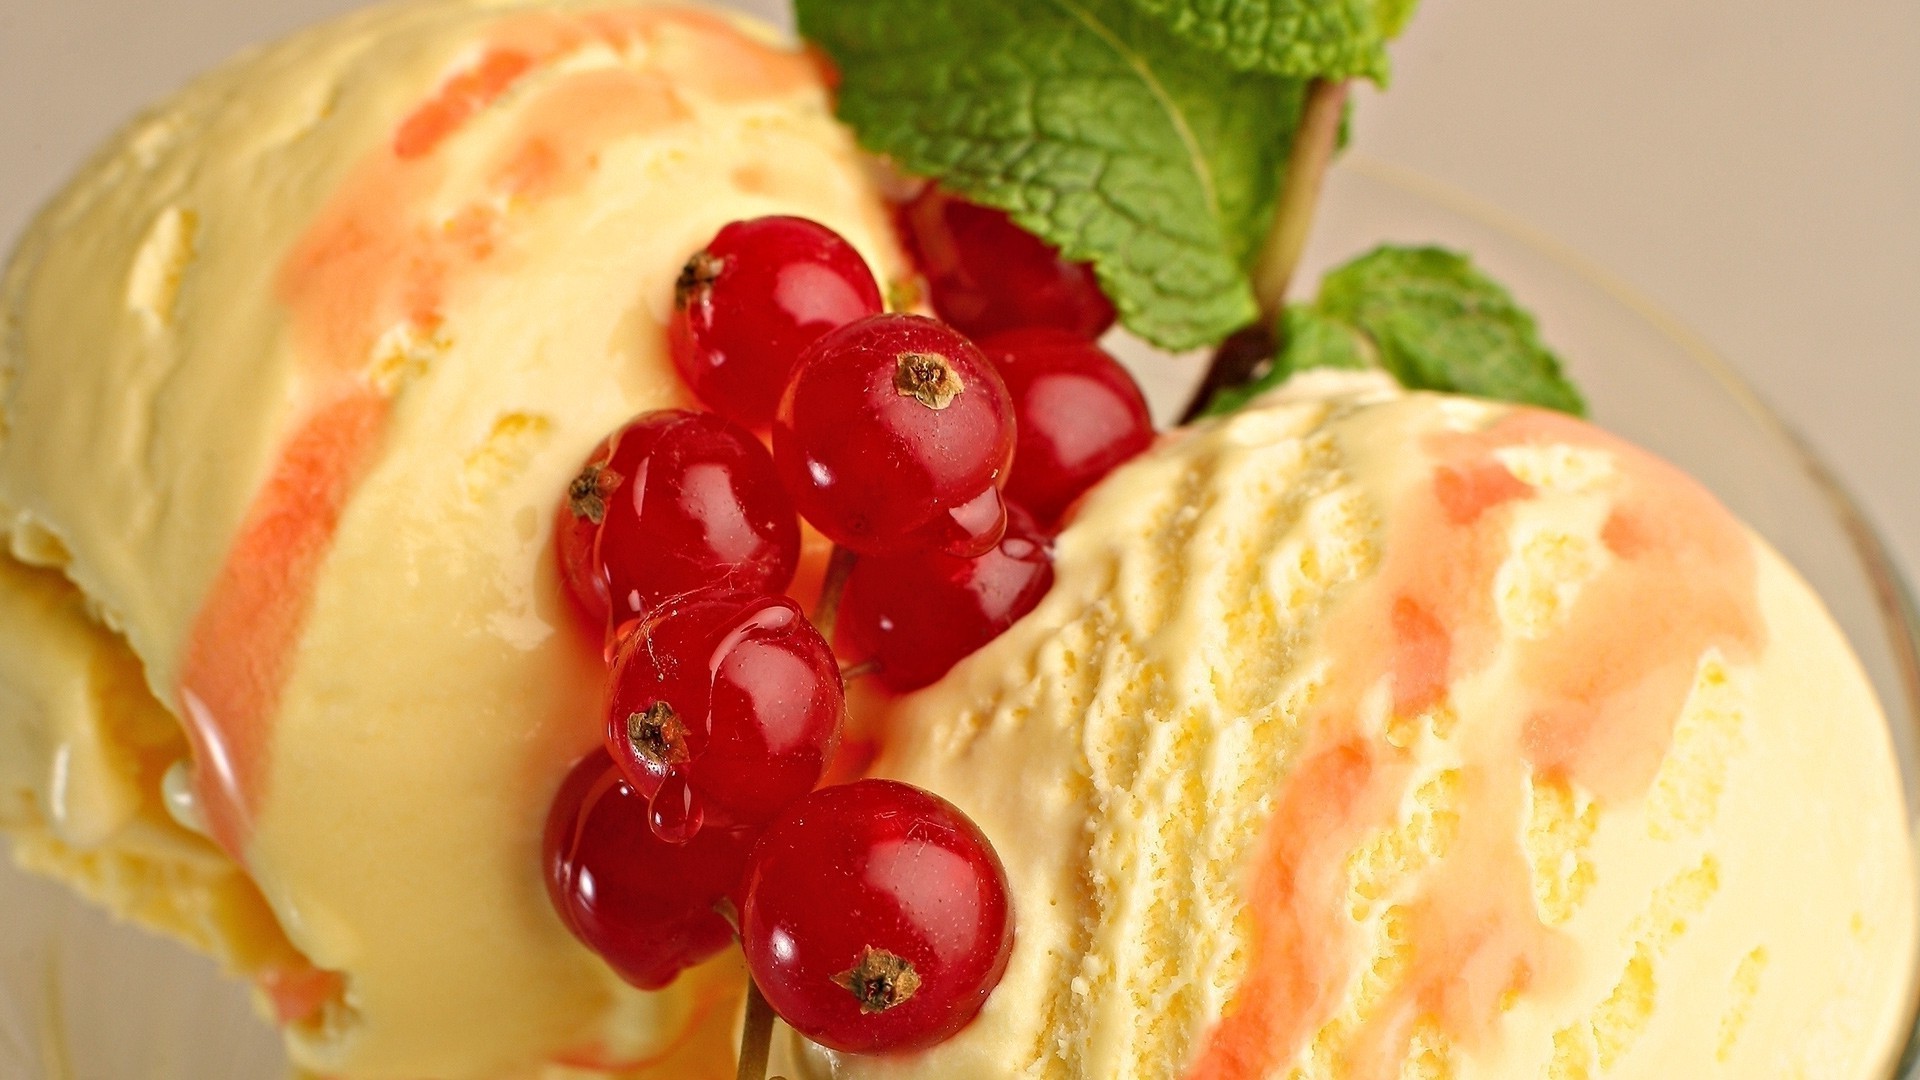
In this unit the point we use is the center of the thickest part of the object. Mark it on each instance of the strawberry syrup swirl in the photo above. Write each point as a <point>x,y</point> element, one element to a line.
<point>378,258</point>
<point>1592,703</point>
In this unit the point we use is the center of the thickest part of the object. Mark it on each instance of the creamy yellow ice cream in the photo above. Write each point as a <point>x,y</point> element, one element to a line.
<point>1367,734</point>
<point>292,377</point>
<point>1363,734</point>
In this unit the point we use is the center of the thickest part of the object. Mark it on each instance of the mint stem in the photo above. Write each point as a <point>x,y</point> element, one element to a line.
<point>756,1038</point>
<point>1241,357</point>
<point>1313,146</point>
<point>826,610</point>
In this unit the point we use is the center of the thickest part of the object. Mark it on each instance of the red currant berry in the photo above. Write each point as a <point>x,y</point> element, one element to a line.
<point>876,917</point>
<point>747,305</point>
<point>673,502</point>
<point>916,615</point>
<point>895,434</point>
<point>1080,415</point>
<point>988,274</point>
<point>723,710</point>
<point>647,907</point>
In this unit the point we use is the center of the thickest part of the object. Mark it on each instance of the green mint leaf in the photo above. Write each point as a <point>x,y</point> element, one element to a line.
<point>1089,123</point>
<point>1438,323</point>
<point>1317,340</point>
<point>1299,39</point>
<point>1429,318</point>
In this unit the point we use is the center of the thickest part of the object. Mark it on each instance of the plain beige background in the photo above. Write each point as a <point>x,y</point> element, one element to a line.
<point>1752,165</point>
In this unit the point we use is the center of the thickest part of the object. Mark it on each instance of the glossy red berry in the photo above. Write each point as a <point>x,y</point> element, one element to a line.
<point>895,434</point>
<point>876,917</point>
<point>916,615</point>
<point>987,274</point>
<point>1080,415</point>
<point>748,303</point>
<point>646,906</point>
<point>673,502</point>
<point>724,710</point>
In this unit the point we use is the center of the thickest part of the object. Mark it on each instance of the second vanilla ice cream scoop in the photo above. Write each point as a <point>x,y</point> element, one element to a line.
<point>1372,734</point>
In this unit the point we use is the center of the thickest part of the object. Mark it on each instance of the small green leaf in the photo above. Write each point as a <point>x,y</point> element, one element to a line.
<point>1315,340</point>
<point>1092,126</point>
<point>1299,39</point>
<point>1440,324</point>
<point>1429,318</point>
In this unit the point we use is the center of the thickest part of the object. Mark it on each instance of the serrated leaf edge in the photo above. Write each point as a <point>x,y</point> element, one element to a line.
<point>1174,333</point>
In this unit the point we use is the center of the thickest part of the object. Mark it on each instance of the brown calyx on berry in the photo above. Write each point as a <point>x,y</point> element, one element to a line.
<point>697,278</point>
<point>587,495</point>
<point>927,378</point>
<point>880,980</point>
<point>659,734</point>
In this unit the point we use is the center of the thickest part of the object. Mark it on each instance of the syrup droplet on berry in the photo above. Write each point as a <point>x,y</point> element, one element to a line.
<point>895,434</point>
<point>674,502</point>
<point>646,906</point>
<point>876,917</point>
<point>1080,415</point>
<point>676,813</point>
<point>724,710</point>
<point>916,615</point>
<point>987,274</point>
<point>749,302</point>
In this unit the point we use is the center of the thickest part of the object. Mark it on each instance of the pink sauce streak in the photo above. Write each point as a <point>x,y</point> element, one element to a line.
<point>1298,879</point>
<point>1595,703</point>
<point>298,992</point>
<point>464,96</point>
<point>237,658</point>
<point>378,256</point>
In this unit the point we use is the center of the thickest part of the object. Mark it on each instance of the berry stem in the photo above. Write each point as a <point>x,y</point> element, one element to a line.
<point>756,1038</point>
<point>832,588</point>
<point>859,671</point>
<point>1240,358</point>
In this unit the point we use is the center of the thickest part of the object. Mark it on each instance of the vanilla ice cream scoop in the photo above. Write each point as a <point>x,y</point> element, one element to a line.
<point>293,377</point>
<point>1362,734</point>
<point>1373,734</point>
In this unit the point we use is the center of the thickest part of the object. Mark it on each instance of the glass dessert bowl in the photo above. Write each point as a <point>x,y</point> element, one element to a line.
<point>82,997</point>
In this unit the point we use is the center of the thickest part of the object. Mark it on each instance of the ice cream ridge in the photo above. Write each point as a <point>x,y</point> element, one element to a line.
<point>1361,733</point>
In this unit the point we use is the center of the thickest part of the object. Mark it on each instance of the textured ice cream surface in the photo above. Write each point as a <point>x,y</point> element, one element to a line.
<point>292,377</point>
<point>1363,733</point>
<point>1370,734</point>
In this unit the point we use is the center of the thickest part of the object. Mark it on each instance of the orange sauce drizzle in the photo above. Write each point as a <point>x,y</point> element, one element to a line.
<point>463,97</point>
<point>1298,880</point>
<point>298,992</point>
<point>1593,702</point>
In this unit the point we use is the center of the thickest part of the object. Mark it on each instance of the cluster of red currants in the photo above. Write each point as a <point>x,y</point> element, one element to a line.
<point>893,435</point>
